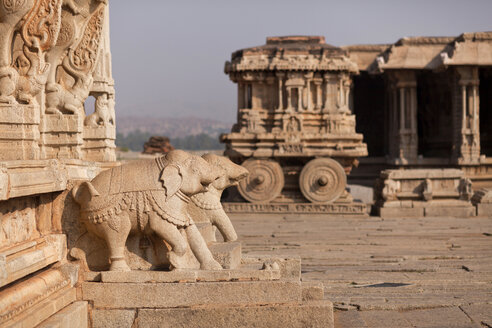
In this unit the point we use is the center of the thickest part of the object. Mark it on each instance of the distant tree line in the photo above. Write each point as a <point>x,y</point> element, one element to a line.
<point>136,139</point>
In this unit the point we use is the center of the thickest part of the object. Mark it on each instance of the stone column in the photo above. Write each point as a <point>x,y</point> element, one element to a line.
<point>299,98</point>
<point>317,85</point>
<point>289,97</point>
<point>280,77</point>
<point>240,95</point>
<point>308,77</point>
<point>346,87</point>
<point>332,98</point>
<point>466,131</point>
<point>403,108</point>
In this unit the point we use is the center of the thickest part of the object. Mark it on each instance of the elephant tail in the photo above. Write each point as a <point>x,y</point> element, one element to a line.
<point>84,192</point>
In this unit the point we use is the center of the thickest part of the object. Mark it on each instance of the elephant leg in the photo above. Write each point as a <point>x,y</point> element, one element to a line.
<point>170,233</point>
<point>116,241</point>
<point>223,223</point>
<point>200,249</point>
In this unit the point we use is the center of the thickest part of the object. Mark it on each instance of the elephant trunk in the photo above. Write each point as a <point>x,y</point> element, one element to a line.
<point>238,173</point>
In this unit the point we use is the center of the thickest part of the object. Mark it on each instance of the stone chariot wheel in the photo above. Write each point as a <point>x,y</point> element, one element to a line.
<point>264,182</point>
<point>322,180</point>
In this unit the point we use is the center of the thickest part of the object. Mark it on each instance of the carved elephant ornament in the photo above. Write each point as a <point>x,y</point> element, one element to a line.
<point>149,197</point>
<point>206,207</point>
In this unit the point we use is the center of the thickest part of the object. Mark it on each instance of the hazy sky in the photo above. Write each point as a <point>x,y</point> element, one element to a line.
<point>168,56</point>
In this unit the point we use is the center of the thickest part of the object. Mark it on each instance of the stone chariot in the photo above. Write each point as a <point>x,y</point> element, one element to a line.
<point>295,131</point>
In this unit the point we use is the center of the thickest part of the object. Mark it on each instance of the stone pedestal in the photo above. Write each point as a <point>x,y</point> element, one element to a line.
<point>418,193</point>
<point>261,293</point>
<point>99,143</point>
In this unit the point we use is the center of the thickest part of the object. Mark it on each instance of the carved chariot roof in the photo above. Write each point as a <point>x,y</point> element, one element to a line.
<point>291,53</point>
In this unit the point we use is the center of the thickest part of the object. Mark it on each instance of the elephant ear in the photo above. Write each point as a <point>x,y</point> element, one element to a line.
<point>171,180</point>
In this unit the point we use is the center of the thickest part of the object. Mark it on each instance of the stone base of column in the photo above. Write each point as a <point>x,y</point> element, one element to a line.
<point>61,136</point>
<point>19,132</point>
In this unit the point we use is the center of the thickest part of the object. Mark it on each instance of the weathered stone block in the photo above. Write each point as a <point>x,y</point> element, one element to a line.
<point>484,210</point>
<point>311,314</point>
<point>134,295</point>
<point>463,212</point>
<point>388,212</point>
<point>74,316</point>
<point>187,276</point>
<point>33,313</point>
<point>290,268</point>
<point>113,318</point>
<point>227,254</point>
<point>312,291</point>
<point>21,260</point>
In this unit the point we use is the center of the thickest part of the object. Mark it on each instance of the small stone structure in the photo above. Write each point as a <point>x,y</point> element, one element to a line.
<point>426,192</point>
<point>157,145</point>
<point>482,199</point>
<point>424,103</point>
<point>295,131</point>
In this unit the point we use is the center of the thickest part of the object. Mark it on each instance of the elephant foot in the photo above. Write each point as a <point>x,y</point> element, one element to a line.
<point>211,265</point>
<point>119,265</point>
<point>53,110</point>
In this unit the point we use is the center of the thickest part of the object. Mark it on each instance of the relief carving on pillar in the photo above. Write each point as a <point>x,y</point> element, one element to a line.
<point>53,55</point>
<point>66,93</point>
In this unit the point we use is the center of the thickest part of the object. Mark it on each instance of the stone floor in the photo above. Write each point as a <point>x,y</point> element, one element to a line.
<point>429,272</point>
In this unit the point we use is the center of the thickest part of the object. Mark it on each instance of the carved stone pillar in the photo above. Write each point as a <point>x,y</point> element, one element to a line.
<point>289,97</point>
<point>308,77</point>
<point>403,116</point>
<point>240,95</point>
<point>280,77</point>
<point>317,84</point>
<point>300,91</point>
<point>332,99</point>
<point>466,107</point>
<point>345,87</point>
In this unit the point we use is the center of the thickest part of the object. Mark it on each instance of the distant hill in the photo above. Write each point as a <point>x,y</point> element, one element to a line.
<point>185,133</point>
<point>170,127</point>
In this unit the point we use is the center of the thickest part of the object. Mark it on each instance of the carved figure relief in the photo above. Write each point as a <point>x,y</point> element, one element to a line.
<point>102,115</point>
<point>64,97</point>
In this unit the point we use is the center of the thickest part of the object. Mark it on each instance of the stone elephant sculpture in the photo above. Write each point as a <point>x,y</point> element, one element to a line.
<point>206,207</point>
<point>149,197</point>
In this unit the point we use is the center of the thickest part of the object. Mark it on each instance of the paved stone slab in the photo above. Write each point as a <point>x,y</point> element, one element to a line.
<point>440,317</point>
<point>73,316</point>
<point>136,295</point>
<point>479,313</point>
<point>312,314</point>
<point>349,319</point>
<point>392,264</point>
<point>384,319</point>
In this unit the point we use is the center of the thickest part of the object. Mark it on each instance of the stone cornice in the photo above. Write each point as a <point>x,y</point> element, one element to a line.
<point>31,177</point>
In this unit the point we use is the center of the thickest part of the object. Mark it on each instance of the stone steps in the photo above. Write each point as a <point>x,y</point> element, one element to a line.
<point>262,292</point>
